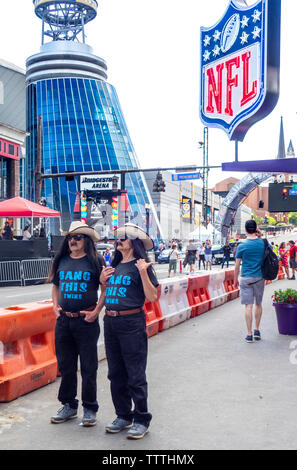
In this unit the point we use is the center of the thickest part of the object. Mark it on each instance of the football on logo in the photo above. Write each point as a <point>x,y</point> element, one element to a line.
<point>230,32</point>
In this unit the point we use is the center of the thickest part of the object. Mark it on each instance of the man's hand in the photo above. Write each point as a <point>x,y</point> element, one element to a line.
<point>57,311</point>
<point>90,316</point>
<point>142,265</point>
<point>106,274</point>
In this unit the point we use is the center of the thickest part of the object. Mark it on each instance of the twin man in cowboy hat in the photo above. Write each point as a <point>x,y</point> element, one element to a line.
<point>76,273</point>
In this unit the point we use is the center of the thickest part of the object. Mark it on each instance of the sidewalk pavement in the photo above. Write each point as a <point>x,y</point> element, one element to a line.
<point>208,389</point>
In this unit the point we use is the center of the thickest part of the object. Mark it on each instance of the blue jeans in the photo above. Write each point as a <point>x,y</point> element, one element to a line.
<point>75,337</point>
<point>126,353</point>
<point>227,259</point>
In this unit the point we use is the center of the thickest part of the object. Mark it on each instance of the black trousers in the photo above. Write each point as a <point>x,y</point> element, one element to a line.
<point>126,352</point>
<point>74,337</point>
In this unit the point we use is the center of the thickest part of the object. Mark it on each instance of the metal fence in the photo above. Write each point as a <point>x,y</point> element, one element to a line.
<point>25,270</point>
<point>10,271</point>
<point>35,269</point>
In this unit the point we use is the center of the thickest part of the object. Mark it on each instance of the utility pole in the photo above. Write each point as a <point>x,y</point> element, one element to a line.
<point>205,170</point>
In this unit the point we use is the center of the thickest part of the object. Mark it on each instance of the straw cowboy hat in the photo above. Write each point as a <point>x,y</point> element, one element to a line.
<point>133,231</point>
<point>79,227</point>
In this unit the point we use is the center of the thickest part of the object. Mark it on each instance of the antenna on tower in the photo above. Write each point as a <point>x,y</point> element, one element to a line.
<point>65,20</point>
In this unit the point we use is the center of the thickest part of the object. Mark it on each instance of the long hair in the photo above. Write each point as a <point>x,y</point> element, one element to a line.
<point>138,252</point>
<point>91,253</point>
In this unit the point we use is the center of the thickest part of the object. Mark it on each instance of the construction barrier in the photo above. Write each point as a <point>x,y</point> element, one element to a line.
<point>232,292</point>
<point>216,288</point>
<point>154,317</point>
<point>281,271</point>
<point>174,301</point>
<point>198,295</point>
<point>27,337</point>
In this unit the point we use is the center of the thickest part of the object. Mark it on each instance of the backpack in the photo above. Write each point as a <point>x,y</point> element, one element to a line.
<point>269,263</point>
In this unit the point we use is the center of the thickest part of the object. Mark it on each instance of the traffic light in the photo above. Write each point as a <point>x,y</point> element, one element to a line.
<point>114,184</point>
<point>159,184</point>
<point>285,193</point>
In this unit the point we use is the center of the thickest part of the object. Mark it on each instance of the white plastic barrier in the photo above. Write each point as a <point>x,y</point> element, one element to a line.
<point>174,301</point>
<point>217,289</point>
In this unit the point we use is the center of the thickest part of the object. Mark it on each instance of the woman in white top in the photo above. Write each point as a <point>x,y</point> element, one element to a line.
<point>173,257</point>
<point>201,253</point>
<point>26,233</point>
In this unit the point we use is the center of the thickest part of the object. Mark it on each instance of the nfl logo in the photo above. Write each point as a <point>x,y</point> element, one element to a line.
<point>240,61</point>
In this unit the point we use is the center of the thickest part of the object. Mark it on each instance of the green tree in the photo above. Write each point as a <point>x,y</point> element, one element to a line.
<point>293,218</point>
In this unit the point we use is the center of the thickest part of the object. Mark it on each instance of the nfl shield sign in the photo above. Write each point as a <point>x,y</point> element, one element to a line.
<point>240,58</point>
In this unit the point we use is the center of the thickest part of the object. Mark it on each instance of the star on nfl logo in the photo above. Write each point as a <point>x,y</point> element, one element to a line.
<point>239,72</point>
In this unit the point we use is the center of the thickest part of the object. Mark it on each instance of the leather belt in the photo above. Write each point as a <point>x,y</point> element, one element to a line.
<point>77,314</point>
<point>116,313</point>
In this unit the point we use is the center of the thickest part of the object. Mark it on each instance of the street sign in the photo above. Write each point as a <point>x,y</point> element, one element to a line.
<point>186,176</point>
<point>240,64</point>
<point>97,183</point>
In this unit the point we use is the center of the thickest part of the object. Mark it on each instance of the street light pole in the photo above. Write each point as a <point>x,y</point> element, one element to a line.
<point>205,170</point>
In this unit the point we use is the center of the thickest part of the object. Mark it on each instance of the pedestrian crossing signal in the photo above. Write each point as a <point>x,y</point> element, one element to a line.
<point>285,193</point>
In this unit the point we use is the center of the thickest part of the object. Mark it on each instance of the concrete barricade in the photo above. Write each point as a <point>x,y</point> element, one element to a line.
<point>174,301</point>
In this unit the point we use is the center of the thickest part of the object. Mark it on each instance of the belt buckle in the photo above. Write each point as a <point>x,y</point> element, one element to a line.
<point>114,313</point>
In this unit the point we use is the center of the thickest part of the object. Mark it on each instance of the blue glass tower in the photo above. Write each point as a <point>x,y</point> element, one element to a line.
<point>73,115</point>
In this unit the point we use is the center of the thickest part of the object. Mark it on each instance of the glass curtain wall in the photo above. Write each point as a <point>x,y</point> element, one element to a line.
<point>83,129</point>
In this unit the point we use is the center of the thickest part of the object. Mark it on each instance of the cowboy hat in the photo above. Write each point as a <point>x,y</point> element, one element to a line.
<point>79,227</point>
<point>133,231</point>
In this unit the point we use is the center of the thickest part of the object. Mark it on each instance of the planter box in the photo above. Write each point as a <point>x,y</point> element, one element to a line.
<point>286,315</point>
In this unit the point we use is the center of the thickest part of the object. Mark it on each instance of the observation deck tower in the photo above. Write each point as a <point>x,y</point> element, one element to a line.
<point>74,117</point>
<point>65,20</point>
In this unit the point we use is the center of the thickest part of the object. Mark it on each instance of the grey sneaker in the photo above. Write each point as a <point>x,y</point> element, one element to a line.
<point>118,425</point>
<point>89,418</point>
<point>64,414</point>
<point>138,431</point>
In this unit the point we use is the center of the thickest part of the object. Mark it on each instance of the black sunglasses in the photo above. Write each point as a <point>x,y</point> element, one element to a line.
<point>77,237</point>
<point>124,239</point>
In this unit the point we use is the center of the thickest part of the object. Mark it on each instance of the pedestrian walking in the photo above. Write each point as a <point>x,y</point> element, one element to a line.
<point>129,281</point>
<point>250,254</point>
<point>293,258</point>
<point>75,276</point>
<point>173,257</point>
<point>208,254</point>
<point>226,254</point>
<point>201,255</point>
<point>283,253</point>
<point>191,255</point>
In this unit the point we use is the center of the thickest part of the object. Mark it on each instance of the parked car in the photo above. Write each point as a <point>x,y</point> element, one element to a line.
<point>217,253</point>
<point>164,255</point>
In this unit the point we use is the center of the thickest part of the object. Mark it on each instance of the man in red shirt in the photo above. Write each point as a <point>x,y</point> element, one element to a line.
<point>293,257</point>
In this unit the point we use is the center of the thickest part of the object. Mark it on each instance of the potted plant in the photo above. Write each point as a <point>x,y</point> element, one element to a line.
<point>285,303</point>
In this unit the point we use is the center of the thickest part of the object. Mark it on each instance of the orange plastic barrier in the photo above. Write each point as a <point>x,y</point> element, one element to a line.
<point>27,339</point>
<point>232,292</point>
<point>281,272</point>
<point>198,295</point>
<point>154,317</point>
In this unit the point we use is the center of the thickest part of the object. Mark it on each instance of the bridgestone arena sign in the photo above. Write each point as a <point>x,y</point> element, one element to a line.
<point>96,183</point>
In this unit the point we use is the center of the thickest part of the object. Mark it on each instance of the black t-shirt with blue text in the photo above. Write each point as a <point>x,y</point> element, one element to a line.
<point>125,290</point>
<point>78,283</point>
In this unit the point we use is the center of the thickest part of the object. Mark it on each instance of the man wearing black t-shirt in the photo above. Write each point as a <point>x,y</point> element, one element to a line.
<point>75,276</point>
<point>129,282</point>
